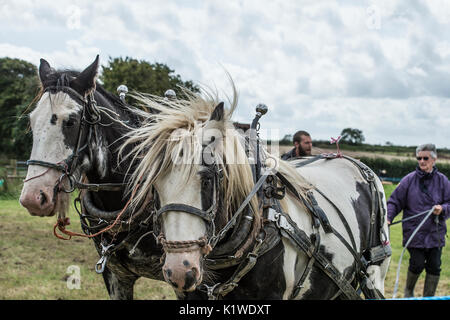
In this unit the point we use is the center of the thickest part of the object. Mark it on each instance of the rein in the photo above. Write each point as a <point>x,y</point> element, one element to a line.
<point>308,244</point>
<point>61,223</point>
<point>215,239</point>
<point>409,218</point>
<point>428,212</point>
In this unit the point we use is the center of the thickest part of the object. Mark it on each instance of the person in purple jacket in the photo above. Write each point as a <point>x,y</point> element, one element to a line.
<point>417,192</point>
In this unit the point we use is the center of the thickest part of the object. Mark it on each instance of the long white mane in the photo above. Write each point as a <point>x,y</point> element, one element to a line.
<point>170,137</point>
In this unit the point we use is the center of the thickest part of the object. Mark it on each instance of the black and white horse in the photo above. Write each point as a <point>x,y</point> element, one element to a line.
<point>197,162</point>
<point>77,129</point>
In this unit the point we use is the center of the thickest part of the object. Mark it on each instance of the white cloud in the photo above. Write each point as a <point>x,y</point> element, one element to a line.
<point>19,52</point>
<point>321,66</point>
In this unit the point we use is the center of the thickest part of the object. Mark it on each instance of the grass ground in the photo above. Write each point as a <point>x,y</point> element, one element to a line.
<point>36,265</point>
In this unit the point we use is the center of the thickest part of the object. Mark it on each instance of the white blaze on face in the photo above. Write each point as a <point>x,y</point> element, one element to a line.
<point>180,226</point>
<point>49,146</point>
<point>181,269</point>
<point>48,138</point>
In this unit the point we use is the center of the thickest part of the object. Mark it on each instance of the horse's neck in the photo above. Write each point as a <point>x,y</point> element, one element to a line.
<point>291,205</point>
<point>106,166</point>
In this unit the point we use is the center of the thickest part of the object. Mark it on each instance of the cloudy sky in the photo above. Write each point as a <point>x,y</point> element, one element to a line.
<point>379,66</point>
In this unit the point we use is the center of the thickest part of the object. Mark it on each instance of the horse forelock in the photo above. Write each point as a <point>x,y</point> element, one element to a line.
<point>178,122</point>
<point>175,125</point>
<point>161,135</point>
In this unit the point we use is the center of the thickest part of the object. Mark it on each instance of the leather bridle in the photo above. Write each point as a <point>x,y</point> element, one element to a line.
<point>90,115</point>
<point>207,215</point>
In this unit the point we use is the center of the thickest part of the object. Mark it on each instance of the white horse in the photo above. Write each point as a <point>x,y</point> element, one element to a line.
<point>195,159</point>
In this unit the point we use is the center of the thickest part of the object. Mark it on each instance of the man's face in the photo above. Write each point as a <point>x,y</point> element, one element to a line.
<point>305,145</point>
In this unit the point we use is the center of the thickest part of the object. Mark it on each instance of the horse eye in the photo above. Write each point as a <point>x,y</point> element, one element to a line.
<point>206,182</point>
<point>53,119</point>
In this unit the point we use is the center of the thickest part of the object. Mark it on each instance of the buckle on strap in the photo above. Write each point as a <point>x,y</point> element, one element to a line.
<point>279,219</point>
<point>210,290</point>
<point>319,213</point>
<point>100,266</point>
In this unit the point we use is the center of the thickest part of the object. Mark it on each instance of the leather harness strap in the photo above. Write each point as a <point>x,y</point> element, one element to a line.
<point>360,261</point>
<point>310,245</point>
<point>299,238</point>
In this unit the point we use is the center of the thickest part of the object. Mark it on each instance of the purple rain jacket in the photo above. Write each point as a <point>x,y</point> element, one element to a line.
<point>418,192</point>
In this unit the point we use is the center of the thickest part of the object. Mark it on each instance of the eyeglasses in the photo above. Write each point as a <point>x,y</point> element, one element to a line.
<point>424,158</point>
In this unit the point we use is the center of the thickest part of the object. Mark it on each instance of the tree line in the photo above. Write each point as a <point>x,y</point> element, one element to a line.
<point>350,136</point>
<point>19,86</point>
<point>398,169</point>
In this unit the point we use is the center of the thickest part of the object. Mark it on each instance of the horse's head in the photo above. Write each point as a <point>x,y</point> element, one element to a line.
<point>185,162</point>
<point>57,133</point>
<point>190,194</point>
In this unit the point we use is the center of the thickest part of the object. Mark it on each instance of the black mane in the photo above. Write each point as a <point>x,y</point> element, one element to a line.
<point>60,79</point>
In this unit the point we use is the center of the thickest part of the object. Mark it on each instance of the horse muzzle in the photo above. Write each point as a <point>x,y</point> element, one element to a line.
<point>183,270</point>
<point>39,201</point>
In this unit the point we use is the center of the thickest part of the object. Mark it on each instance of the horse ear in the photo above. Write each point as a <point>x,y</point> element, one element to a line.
<point>85,82</point>
<point>44,70</point>
<point>218,113</point>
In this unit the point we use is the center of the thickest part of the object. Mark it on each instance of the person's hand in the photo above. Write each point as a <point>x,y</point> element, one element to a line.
<point>437,209</point>
<point>388,222</point>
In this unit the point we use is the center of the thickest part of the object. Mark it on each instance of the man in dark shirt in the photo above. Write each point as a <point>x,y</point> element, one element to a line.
<point>302,146</point>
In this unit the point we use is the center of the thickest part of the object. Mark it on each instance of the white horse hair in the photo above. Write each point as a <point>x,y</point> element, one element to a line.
<point>197,127</point>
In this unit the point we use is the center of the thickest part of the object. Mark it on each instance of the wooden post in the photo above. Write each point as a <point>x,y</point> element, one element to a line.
<point>13,164</point>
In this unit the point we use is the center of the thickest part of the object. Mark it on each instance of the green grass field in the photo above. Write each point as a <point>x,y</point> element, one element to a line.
<point>35,264</point>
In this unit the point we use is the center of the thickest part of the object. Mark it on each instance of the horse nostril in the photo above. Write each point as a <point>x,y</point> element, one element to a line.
<point>194,271</point>
<point>42,197</point>
<point>189,279</point>
<point>168,273</point>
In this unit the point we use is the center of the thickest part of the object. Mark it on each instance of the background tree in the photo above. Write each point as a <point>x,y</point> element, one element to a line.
<point>287,140</point>
<point>352,136</point>
<point>19,84</point>
<point>142,76</point>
